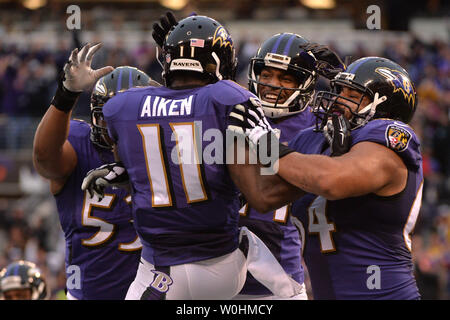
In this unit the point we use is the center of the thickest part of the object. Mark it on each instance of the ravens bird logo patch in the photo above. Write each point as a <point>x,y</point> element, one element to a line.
<point>397,137</point>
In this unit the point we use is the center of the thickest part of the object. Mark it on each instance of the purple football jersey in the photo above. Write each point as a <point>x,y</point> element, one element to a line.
<point>360,247</point>
<point>101,241</point>
<point>185,206</point>
<point>275,229</point>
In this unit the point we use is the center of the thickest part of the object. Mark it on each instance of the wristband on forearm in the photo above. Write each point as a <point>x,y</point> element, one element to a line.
<point>284,151</point>
<point>64,99</point>
<point>272,140</point>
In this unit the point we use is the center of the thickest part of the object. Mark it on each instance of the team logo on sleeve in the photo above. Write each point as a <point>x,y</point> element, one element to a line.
<point>399,81</point>
<point>221,35</point>
<point>397,137</point>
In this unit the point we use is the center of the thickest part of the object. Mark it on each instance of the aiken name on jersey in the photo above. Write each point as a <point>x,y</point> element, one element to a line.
<point>155,106</point>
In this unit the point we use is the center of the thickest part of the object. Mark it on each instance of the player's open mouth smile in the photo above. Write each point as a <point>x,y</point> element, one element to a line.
<point>273,97</point>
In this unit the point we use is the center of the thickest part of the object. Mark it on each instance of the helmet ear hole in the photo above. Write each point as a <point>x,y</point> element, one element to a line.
<point>211,67</point>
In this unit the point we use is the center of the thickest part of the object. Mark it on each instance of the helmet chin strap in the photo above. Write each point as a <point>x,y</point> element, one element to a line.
<point>216,58</point>
<point>157,58</point>
<point>277,112</point>
<point>371,108</point>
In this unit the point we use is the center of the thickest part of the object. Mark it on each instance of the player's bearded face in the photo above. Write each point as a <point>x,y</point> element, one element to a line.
<point>351,103</point>
<point>276,78</point>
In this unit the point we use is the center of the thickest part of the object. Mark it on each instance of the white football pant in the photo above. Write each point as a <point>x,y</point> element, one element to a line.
<point>219,278</point>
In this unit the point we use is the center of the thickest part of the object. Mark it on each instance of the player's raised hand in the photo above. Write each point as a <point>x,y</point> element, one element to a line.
<point>337,133</point>
<point>78,74</point>
<point>161,30</point>
<point>109,175</point>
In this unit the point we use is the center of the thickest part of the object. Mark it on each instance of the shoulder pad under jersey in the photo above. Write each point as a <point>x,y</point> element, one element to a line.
<point>393,134</point>
<point>229,93</point>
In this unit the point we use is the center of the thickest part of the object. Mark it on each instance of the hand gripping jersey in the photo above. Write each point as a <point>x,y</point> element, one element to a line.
<point>102,247</point>
<point>360,247</point>
<point>185,204</point>
<point>275,229</point>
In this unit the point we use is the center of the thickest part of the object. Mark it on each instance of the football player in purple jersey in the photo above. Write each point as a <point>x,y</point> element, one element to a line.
<point>102,247</point>
<point>185,206</point>
<point>358,178</point>
<point>283,74</point>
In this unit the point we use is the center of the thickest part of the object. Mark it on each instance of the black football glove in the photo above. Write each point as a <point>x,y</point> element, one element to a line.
<point>337,133</point>
<point>328,64</point>
<point>160,31</point>
<point>109,175</point>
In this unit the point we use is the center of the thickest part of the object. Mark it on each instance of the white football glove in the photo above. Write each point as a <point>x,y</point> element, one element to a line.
<point>109,175</point>
<point>249,119</point>
<point>77,71</point>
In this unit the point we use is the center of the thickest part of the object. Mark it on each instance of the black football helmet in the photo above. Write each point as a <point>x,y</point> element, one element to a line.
<point>284,51</point>
<point>121,79</point>
<point>388,86</point>
<point>199,44</point>
<point>24,275</point>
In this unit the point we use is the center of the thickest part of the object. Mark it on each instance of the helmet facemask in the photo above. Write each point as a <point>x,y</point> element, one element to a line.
<point>327,103</point>
<point>99,130</point>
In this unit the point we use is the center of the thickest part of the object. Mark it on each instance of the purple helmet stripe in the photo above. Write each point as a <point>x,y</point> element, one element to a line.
<point>356,66</point>
<point>119,81</point>
<point>288,45</point>
<point>130,79</point>
<point>16,270</point>
<point>275,46</point>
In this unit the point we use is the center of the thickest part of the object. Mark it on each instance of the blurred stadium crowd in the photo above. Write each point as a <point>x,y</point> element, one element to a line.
<point>29,225</point>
